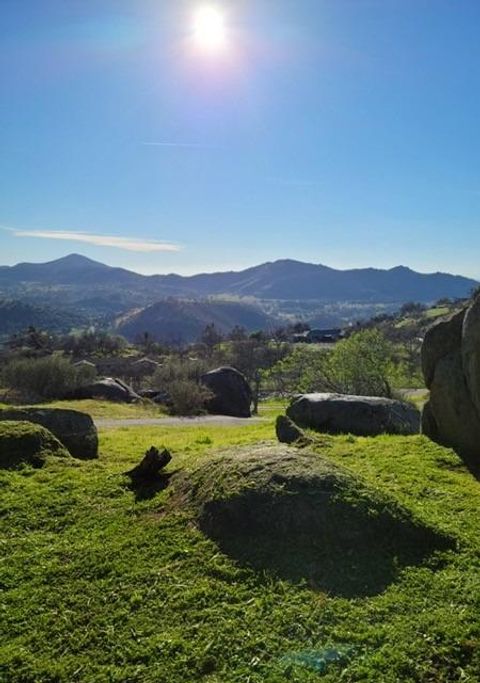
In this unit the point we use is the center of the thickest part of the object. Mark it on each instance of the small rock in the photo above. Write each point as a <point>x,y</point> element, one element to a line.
<point>287,431</point>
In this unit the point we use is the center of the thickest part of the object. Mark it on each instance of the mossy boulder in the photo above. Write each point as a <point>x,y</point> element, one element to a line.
<point>295,513</point>
<point>24,443</point>
<point>74,429</point>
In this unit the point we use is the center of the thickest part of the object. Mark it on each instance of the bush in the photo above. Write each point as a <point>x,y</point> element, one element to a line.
<point>52,377</point>
<point>178,369</point>
<point>187,397</point>
<point>180,378</point>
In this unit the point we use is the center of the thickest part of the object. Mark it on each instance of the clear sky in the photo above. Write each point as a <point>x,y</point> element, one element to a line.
<point>343,132</point>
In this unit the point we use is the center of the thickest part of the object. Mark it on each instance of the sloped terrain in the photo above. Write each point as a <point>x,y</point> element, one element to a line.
<point>297,514</point>
<point>177,320</point>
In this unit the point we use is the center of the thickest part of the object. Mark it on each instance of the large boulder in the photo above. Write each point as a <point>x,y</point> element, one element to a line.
<point>360,415</point>
<point>24,443</point>
<point>75,430</point>
<point>451,367</point>
<point>298,515</point>
<point>108,388</point>
<point>231,393</point>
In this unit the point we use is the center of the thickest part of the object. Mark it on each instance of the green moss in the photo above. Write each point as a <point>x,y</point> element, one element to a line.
<point>302,517</point>
<point>26,443</point>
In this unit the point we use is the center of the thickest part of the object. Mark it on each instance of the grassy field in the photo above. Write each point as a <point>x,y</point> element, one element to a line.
<point>101,584</point>
<point>99,409</point>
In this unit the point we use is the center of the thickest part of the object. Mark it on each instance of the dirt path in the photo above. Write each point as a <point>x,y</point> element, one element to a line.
<point>204,420</point>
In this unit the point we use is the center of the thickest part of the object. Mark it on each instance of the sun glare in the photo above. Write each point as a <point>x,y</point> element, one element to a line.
<point>209,29</point>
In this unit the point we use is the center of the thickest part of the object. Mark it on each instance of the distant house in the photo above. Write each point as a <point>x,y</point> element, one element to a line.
<point>329,336</point>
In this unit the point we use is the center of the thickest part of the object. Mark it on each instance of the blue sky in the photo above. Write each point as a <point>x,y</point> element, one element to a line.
<point>343,132</point>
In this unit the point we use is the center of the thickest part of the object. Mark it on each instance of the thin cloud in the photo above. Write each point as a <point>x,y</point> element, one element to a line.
<point>125,243</point>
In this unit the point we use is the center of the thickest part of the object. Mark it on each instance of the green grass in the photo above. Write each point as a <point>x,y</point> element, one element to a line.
<point>99,409</point>
<point>100,587</point>
<point>437,311</point>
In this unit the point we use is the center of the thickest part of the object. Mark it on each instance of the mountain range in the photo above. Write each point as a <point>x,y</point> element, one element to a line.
<point>285,280</point>
<point>172,307</point>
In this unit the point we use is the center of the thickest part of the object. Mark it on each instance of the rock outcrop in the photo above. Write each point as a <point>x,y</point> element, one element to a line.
<point>360,415</point>
<point>451,368</point>
<point>75,430</point>
<point>231,393</point>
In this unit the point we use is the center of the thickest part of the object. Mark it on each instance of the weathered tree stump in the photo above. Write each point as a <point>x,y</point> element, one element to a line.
<point>149,469</point>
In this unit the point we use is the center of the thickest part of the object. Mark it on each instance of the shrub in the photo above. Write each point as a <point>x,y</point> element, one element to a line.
<point>45,378</point>
<point>178,369</point>
<point>180,378</point>
<point>187,397</point>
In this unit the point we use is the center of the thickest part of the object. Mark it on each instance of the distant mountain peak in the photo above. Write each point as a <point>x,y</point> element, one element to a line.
<point>78,260</point>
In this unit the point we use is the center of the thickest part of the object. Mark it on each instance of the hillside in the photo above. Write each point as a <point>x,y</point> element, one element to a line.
<point>16,316</point>
<point>182,321</point>
<point>82,278</point>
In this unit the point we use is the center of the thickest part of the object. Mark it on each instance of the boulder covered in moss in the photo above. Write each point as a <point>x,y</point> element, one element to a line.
<point>298,515</point>
<point>74,429</point>
<point>24,443</point>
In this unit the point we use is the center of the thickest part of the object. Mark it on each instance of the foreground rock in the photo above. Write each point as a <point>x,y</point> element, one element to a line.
<point>24,443</point>
<point>109,388</point>
<point>296,514</point>
<point>75,430</point>
<point>451,367</point>
<point>360,415</point>
<point>231,392</point>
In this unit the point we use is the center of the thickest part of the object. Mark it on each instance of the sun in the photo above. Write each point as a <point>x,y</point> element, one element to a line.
<point>209,29</point>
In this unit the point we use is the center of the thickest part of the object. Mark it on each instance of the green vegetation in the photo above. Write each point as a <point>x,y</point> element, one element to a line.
<point>180,378</point>
<point>363,364</point>
<point>103,584</point>
<point>49,377</point>
<point>24,443</point>
<point>100,409</point>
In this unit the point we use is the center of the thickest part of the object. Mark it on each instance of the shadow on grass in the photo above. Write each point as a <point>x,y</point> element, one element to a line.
<point>339,549</point>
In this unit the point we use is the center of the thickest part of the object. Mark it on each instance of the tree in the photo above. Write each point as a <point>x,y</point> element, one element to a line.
<point>210,338</point>
<point>412,308</point>
<point>252,356</point>
<point>363,364</point>
<point>238,333</point>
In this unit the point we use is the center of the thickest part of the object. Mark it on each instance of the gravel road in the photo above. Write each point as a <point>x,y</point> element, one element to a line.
<point>203,420</point>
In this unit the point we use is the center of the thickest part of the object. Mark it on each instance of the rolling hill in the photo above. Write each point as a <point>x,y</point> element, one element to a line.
<point>181,321</point>
<point>16,316</point>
